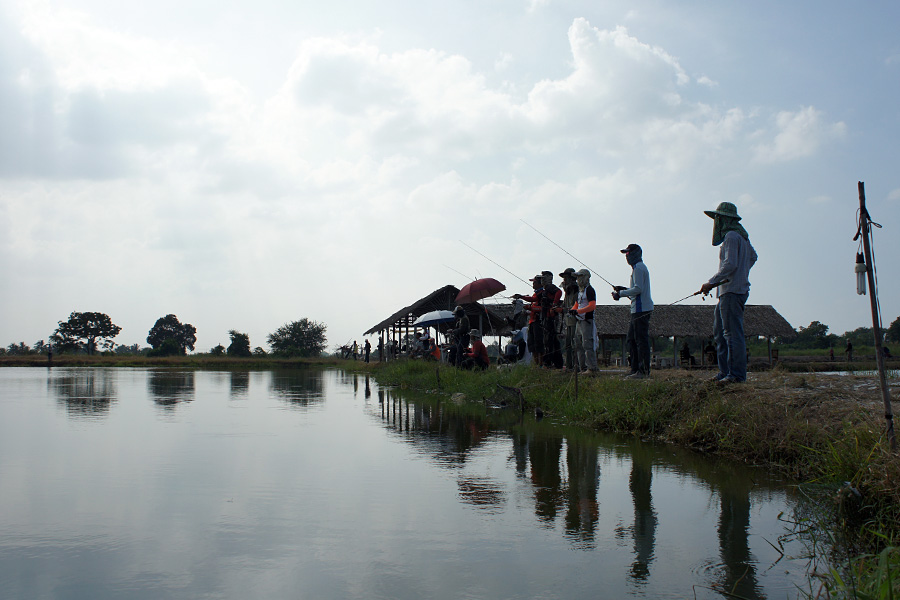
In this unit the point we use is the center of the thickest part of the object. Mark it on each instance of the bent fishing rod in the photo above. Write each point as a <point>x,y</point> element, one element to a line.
<point>483,256</point>
<point>698,292</point>
<point>614,287</point>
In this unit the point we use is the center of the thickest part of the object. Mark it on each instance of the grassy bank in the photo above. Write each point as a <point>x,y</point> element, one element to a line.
<point>824,430</point>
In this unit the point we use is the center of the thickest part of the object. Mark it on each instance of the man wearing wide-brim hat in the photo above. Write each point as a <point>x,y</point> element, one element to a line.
<point>736,258</point>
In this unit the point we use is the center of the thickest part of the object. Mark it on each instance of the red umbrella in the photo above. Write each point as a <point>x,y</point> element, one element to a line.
<point>478,290</point>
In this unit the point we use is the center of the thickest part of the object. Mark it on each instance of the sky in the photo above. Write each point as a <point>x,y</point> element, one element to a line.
<point>246,164</point>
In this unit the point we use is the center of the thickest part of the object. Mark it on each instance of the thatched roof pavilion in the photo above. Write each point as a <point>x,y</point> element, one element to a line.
<point>686,320</point>
<point>690,321</point>
<point>483,317</point>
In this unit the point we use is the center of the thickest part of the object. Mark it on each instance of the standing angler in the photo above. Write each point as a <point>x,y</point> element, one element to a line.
<point>638,338</point>
<point>585,332</point>
<point>736,257</point>
<point>570,289</point>
<point>551,306</point>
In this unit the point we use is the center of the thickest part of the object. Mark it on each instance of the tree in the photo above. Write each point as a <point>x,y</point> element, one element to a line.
<point>814,336</point>
<point>132,349</point>
<point>861,336</point>
<point>218,350</point>
<point>299,338</point>
<point>240,344</point>
<point>19,349</point>
<point>168,336</point>
<point>893,332</point>
<point>92,327</point>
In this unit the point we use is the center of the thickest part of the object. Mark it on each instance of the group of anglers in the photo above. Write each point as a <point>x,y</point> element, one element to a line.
<point>561,333</point>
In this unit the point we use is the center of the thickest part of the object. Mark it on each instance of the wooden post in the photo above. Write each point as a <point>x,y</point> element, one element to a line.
<point>876,328</point>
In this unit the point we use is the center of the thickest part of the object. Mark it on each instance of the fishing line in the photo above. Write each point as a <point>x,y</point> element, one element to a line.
<point>504,268</point>
<point>594,271</point>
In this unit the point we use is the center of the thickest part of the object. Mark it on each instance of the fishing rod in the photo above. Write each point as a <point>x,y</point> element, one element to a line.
<point>463,275</point>
<point>614,287</point>
<point>504,268</point>
<point>698,292</point>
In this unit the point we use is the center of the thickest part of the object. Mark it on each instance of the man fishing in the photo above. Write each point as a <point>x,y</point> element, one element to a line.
<point>570,289</point>
<point>535,334</point>
<point>460,333</point>
<point>551,306</point>
<point>583,313</point>
<point>638,339</point>
<point>736,258</point>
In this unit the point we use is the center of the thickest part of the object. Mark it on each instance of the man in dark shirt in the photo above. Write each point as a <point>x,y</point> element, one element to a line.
<point>551,306</point>
<point>461,334</point>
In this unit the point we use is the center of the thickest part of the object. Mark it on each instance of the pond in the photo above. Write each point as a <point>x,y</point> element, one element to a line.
<point>142,483</point>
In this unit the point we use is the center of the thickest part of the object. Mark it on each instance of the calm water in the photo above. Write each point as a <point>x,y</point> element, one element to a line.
<point>135,483</point>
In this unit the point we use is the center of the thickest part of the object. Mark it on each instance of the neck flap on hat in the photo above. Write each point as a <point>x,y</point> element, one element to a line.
<point>722,225</point>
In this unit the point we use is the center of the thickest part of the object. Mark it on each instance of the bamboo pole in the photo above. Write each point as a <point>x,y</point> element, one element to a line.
<point>876,328</point>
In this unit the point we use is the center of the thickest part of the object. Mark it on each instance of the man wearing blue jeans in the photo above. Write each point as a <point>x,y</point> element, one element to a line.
<point>736,257</point>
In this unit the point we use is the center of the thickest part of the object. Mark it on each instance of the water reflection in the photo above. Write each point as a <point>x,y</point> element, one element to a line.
<point>301,389</point>
<point>582,510</point>
<point>239,383</point>
<point>643,531</point>
<point>85,393</point>
<point>738,571</point>
<point>170,388</point>
<point>482,492</point>
<point>544,452</point>
<point>567,491</point>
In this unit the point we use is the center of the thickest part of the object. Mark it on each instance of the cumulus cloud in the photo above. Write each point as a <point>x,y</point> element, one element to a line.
<point>798,135</point>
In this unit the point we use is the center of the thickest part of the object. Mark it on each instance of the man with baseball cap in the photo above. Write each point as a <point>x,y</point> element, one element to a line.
<point>638,339</point>
<point>736,258</point>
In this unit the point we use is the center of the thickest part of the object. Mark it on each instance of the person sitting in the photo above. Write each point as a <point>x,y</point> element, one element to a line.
<point>686,358</point>
<point>510,353</point>
<point>477,356</point>
<point>415,347</point>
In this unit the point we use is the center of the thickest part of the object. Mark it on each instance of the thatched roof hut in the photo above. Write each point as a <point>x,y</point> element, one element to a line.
<point>686,320</point>
<point>690,321</point>
<point>441,299</point>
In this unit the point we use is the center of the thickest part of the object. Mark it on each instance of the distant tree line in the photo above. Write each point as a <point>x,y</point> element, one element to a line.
<point>816,336</point>
<point>88,332</point>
